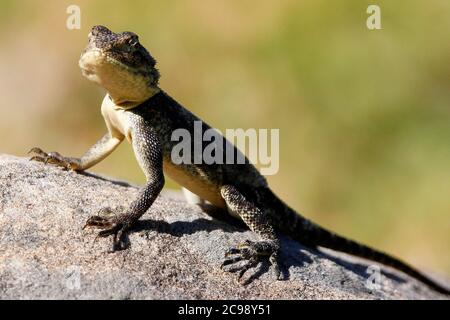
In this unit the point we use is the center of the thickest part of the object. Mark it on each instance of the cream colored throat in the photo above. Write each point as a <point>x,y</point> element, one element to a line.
<point>126,88</point>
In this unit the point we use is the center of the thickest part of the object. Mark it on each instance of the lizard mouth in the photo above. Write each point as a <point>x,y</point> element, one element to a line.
<point>122,82</point>
<point>90,59</point>
<point>96,61</point>
<point>97,66</point>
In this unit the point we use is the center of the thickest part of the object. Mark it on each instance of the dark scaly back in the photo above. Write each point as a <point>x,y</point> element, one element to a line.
<point>310,234</point>
<point>166,115</point>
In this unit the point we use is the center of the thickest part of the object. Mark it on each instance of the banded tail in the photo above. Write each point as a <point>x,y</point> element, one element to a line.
<point>309,233</point>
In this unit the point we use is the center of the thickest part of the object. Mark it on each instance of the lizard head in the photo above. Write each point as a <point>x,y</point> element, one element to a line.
<point>121,65</point>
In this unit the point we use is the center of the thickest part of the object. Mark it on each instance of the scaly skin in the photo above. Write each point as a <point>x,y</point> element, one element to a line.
<point>136,108</point>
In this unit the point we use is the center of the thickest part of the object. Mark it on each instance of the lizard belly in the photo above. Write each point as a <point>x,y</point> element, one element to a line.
<point>200,187</point>
<point>117,122</point>
<point>116,119</point>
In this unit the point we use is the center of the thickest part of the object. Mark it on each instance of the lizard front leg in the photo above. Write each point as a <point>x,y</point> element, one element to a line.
<point>94,155</point>
<point>149,155</point>
<point>251,252</point>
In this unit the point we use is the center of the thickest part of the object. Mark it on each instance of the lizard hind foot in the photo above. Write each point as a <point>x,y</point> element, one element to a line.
<point>249,255</point>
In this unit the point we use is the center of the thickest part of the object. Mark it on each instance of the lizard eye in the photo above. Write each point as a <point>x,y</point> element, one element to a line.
<point>132,42</point>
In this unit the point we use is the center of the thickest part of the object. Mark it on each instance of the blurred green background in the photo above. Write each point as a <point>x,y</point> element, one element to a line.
<point>364,116</point>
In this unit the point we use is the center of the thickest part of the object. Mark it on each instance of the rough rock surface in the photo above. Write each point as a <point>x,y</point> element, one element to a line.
<point>174,252</point>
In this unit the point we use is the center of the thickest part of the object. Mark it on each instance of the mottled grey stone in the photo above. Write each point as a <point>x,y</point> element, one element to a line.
<point>175,251</point>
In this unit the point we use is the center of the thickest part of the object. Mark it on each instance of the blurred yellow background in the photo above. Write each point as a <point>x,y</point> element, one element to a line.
<point>364,116</point>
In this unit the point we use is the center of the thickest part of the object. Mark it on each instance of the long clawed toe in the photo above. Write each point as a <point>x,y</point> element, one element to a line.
<point>108,221</point>
<point>51,157</point>
<point>242,268</point>
<point>39,153</point>
<point>249,255</point>
<point>98,222</point>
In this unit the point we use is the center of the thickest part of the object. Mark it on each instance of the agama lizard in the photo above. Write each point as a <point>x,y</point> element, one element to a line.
<point>137,109</point>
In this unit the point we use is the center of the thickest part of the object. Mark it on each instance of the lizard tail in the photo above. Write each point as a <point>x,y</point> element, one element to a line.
<point>310,234</point>
<point>324,238</point>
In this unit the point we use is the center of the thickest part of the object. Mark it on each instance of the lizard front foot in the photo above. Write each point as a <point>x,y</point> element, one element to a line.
<point>53,158</point>
<point>252,253</point>
<point>111,223</point>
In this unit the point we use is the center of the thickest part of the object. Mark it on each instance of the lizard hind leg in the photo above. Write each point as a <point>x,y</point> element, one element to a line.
<point>249,254</point>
